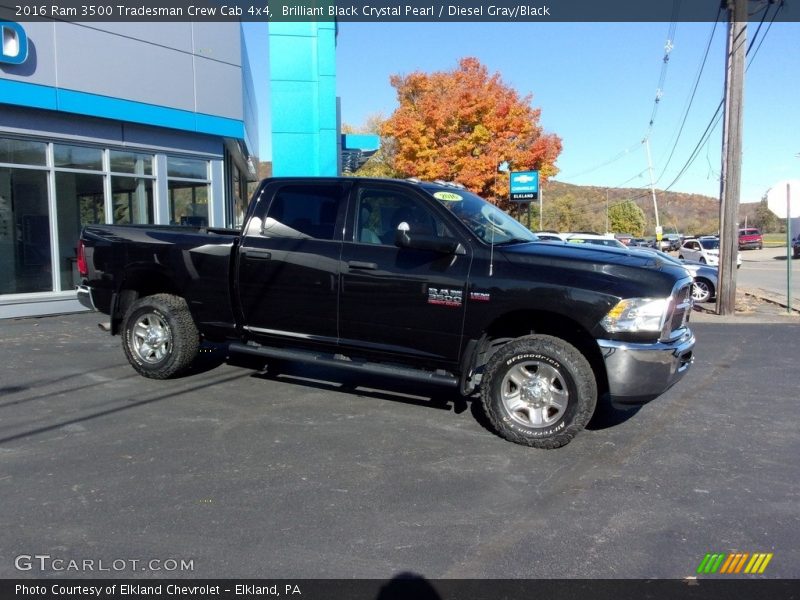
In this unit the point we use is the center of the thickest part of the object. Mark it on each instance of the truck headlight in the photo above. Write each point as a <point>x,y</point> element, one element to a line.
<point>636,315</point>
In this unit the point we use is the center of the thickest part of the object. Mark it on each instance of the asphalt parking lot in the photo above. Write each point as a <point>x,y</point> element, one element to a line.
<point>290,472</point>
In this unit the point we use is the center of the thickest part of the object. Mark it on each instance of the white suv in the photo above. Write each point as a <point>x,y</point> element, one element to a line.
<point>703,250</point>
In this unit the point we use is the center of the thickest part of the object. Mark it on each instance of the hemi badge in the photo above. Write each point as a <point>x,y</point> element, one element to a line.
<point>480,296</point>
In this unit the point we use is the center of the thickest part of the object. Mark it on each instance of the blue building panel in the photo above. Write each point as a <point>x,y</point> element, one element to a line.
<point>28,94</point>
<point>327,103</point>
<point>186,76</point>
<point>289,58</point>
<point>294,107</point>
<point>298,154</point>
<point>303,102</point>
<point>327,41</point>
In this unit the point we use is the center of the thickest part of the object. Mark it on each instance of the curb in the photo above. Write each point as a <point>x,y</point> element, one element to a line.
<point>773,298</point>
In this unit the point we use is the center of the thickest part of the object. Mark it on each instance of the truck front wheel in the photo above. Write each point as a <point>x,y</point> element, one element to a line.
<point>159,336</point>
<point>539,391</point>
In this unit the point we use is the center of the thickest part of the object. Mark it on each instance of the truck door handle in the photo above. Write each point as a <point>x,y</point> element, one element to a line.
<point>258,254</point>
<point>357,264</point>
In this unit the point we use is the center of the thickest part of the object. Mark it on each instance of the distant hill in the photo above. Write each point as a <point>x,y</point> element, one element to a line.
<point>691,214</point>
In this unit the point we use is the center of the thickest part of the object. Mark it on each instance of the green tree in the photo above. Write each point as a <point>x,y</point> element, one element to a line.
<point>379,164</point>
<point>766,220</point>
<point>626,217</point>
<point>561,214</point>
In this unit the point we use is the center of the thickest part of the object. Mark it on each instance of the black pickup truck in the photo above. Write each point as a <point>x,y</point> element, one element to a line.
<point>424,281</point>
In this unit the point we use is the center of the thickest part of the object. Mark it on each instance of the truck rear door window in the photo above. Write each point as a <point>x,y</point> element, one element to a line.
<point>304,212</point>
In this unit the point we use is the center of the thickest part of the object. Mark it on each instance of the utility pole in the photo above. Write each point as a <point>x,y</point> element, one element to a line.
<point>730,186</point>
<point>541,206</point>
<point>652,183</point>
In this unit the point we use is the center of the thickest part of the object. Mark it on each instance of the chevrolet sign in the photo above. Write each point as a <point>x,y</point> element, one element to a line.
<point>524,186</point>
<point>14,50</point>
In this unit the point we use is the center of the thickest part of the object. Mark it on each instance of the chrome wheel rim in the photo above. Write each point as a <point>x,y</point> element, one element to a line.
<point>151,338</point>
<point>700,291</point>
<point>534,394</point>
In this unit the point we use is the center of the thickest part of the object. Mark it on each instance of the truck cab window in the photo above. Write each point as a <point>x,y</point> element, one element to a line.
<point>379,212</point>
<point>304,212</point>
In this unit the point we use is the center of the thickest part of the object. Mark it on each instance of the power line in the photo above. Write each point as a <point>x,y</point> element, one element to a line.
<point>668,46</point>
<point>612,160</point>
<point>690,100</point>
<point>718,114</point>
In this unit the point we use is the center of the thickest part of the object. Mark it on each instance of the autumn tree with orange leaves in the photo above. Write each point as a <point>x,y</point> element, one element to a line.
<point>462,124</point>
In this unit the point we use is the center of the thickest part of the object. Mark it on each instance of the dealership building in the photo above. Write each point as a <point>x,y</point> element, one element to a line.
<point>114,123</point>
<point>147,123</point>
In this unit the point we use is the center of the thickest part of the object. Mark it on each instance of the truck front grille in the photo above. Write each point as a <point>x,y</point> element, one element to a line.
<point>681,304</point>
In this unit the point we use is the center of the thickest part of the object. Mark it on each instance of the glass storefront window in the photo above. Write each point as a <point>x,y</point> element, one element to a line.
<point>188,203</point>
<point>239,200</point>
<point>187,167</point>
<point>132,198</point>
<point>131,162</point>
<point>46,202</point>
<point>79,202</point>
<point>25,262</point>
<point>23,152</point>
<point>77,157</point>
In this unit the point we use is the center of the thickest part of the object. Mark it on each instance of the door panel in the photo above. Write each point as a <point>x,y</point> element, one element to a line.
<point>400,301</point>
<point>289,265</point>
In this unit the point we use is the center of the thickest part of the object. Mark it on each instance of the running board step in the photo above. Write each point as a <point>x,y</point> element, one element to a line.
<point>330,360</point>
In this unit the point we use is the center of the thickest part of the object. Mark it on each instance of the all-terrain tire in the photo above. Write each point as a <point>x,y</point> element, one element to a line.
<point>159,336</point>
<point>538,391</point>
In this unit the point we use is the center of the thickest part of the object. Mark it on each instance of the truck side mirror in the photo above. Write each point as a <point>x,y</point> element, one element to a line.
<point>404,238</point>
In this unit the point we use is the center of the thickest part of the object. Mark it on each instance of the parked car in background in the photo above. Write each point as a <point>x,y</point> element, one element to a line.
<point>671,242</point>
<point>750,239</point>
<point>704,288</point>
<point>704,250</point>
<point>796,247</point>
<point>625,238</point>
<point>594,239</point>
<point>548,236</point>
<point>705,281</point>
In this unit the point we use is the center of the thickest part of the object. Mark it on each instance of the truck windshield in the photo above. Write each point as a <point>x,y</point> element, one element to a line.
<point>485,220</point>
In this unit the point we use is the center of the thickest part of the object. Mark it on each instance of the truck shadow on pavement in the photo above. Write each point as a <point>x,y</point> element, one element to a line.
<point>361,384</point>
<point>397,390</point>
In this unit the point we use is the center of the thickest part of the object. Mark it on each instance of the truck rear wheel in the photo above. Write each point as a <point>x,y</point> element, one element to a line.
<point>538,391</point>
<point>159,336</point>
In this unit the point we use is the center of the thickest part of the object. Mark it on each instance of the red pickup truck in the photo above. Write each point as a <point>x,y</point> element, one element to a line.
<point>750,238</point>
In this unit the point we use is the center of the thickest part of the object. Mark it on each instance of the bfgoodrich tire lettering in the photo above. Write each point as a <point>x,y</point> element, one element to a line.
<point>159,336</point>
<point>539,391</point>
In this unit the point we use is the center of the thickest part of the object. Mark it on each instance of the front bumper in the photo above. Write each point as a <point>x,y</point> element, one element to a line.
<point>638,373</point>
<point>750,245</point>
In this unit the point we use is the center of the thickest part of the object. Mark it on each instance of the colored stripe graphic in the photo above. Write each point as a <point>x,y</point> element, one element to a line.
<point>758,563</point>
<point>710,563</point>
<point>733,563</point>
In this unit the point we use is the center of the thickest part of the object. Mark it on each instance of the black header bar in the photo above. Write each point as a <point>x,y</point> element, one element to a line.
<point>388,11</point>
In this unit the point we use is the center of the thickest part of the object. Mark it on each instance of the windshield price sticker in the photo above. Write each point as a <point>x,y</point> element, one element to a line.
<point>448,196</point>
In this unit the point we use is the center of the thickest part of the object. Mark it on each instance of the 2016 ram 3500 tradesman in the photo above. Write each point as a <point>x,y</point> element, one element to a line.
<point>424,281</point>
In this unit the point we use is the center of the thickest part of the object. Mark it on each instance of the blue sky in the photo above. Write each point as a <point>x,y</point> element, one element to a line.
<point>595,84</point>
